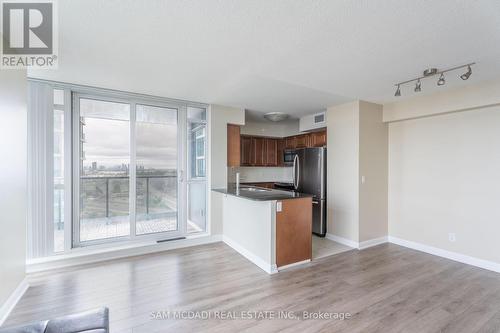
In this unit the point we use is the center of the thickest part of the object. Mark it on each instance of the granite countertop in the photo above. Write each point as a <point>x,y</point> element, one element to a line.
<point>261,194</point>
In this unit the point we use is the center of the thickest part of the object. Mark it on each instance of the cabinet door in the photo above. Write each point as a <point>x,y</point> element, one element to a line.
<point>281,148</point>
<point>271,152</point>
<point>318,139</point>
<point>246,150</point>
<point>233,145</point>
<point>291,142</point>
<point>302,141</point>
<point>293,231</point>
<point>257,155</point>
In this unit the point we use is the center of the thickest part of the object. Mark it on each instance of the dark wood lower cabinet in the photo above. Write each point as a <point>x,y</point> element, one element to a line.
<point>294,231</point>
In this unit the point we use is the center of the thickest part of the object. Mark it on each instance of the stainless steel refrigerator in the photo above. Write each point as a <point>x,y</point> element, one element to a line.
<point>309,176</point>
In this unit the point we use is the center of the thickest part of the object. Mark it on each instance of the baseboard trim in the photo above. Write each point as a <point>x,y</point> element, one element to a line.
<point>77,259</point>
<point>265,266</point>
<point>342,240</point>
<point>481,263</point>
<point>281,268</point>
<point>372,242</point>
<point>13,299</point>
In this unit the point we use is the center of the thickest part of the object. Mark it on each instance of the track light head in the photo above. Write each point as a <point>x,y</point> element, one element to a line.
<point>441,80</point>
<point>418,86</point>
<point>398,92</point>
<point>467,74</point>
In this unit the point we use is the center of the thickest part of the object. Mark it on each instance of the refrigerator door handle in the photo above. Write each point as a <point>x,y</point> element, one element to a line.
<point>295,171</point>
<point>298,172</point>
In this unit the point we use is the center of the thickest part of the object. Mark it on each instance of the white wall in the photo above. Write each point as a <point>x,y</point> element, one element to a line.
<point>220,116</point>
<point>13,132</point>
<point>461,99</point>
<point>343,171</point>
<point>373,164</point>
<point>357,147</point>
<point>444,179</point>
<point>280,129</point>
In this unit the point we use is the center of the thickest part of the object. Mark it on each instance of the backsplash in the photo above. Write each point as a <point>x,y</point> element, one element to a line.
<point>260,174</point>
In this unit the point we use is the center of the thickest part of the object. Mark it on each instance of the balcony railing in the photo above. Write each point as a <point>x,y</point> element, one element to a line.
<point>155,195</point>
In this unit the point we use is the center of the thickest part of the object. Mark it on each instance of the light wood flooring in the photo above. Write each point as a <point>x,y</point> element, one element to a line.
<point>386,288</point>
<point>324,247</point>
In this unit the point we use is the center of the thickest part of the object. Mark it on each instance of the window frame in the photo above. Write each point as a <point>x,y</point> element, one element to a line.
<point>45,223</point>
<point>133,236</point>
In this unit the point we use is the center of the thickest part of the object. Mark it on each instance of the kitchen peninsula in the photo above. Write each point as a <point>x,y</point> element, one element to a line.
<point>271,228</point>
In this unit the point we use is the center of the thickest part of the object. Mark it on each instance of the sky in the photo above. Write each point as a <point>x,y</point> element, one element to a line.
<point>107,142</point>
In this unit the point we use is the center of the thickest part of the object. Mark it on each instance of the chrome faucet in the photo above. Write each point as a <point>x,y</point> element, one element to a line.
<point>237,183</point>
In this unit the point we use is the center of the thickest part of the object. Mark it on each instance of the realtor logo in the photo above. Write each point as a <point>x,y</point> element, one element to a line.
<point>28,31</point>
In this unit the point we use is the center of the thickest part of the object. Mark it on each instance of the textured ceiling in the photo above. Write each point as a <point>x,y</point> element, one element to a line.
<point>293,56</point>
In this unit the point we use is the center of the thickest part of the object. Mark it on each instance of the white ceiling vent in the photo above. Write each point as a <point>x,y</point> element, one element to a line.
<point>312,122</point>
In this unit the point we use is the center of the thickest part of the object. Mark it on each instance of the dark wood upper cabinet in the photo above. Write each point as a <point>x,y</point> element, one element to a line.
<point>302,141</point>
<point>281,149</point>
<point>271,151</point>
<point>246,150</point>
<point>265,151</point>
<point>317,139</point>
<point>291,142</point>
<point>257,152</point>
<point>233,145</point>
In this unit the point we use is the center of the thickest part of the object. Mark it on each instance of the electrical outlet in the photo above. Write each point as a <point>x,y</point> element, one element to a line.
<point>452,237</point>
<point>279,206</point>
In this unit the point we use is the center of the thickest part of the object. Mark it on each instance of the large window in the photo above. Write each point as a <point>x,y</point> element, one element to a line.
<point>197,187</point>
<point>58,165</point>
<point>122,167</point>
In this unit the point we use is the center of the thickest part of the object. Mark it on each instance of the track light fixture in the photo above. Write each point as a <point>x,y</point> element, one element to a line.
<point>441,80</point>
<point>418,86</point>
<point>434,71</point>
<point>467,74</point>
<point>398,92</point>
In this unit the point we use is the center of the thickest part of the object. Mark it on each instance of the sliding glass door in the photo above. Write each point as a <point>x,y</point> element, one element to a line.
<point>128,158</point>
<point>104,177</point>
<point>156,169</point>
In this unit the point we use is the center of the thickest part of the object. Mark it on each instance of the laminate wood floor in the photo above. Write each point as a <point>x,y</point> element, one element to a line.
<point>386,288</point>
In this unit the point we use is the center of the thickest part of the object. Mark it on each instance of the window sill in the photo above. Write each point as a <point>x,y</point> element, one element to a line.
<point>82,256</point>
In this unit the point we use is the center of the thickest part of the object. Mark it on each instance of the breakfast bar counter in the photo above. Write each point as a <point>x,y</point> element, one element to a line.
<point>271,228</point>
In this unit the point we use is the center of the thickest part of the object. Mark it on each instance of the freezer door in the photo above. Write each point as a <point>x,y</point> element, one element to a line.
<point>319,217</point>
<point>313,172</point>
